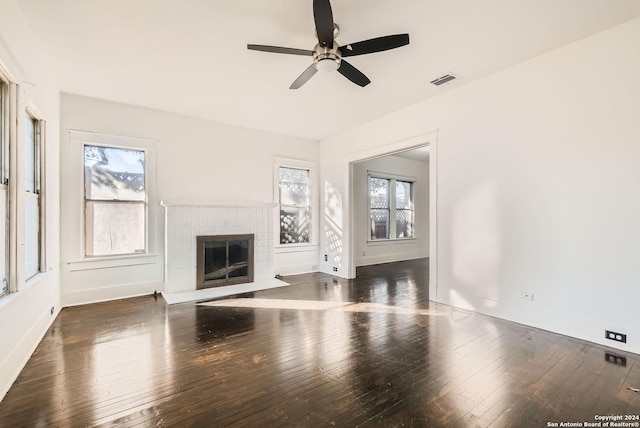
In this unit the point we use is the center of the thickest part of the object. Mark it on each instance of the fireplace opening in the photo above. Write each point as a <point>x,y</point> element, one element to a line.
<point>224,260</point>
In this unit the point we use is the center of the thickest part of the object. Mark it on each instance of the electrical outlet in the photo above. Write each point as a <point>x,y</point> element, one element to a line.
<point>527,295</point>
<point>52,310</point>
<point>326,258</point>
<point>615,359</point>
<point>335,269</point>
<point>618,337</point>
<point>364,253</point>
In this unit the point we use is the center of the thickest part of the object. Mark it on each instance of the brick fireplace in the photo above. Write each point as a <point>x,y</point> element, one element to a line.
<point>185,221</point>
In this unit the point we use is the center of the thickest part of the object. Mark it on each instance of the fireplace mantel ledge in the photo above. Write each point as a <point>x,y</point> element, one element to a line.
<point>221,204</point>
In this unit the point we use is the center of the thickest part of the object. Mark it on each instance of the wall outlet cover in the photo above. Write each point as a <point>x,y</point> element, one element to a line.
<point>618,337</point>
<point>527,295</point>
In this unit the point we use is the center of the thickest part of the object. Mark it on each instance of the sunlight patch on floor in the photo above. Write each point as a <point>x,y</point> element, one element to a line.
<point>321,305</point>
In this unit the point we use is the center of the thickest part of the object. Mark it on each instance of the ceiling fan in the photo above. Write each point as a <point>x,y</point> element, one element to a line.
<point>328,55</point>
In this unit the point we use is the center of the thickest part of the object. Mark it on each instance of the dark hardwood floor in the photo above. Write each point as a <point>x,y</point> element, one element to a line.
<point>323,352</point>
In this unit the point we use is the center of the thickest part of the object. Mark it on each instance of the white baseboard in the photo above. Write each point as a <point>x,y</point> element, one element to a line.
<point>16,358</point>
<point>388,258</point>
<point>522,312</point>
<point>94,295</point>
<point>296,269</point>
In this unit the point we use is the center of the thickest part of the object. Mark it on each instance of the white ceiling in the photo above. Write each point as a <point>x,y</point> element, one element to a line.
<point>190,56</point>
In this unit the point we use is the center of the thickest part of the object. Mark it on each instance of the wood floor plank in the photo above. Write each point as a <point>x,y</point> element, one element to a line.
<point>384,356</point>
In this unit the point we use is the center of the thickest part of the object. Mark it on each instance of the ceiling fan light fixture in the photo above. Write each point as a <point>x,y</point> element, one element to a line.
<point>327,64</point>
<point>327,59</point>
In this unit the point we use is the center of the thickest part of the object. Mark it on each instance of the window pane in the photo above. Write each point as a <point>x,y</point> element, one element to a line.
<point>3,136</point>
<point>403,195</point>
<point>30,154</point>
<point>4,274</point>
<point>32,201</point>
<point>379,223</point>
<point>114,174</point>
<point>32,235</point>
<point>379,191</point>
<point>294,225</point>
<point>294,186</point>
<point>404,223</point>
<point>114,228</point>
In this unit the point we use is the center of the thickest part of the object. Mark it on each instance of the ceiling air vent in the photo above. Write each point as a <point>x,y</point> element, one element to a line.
<point>449,77</point>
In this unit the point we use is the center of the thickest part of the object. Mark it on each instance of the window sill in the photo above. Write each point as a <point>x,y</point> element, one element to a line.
<point>295,248</point>
<point>90,263</point>
<point>392,241</point>
<point>34,279</point>
<point>7,300</point>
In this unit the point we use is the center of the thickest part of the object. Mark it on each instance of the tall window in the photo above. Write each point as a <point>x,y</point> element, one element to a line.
<point>295,205</point>
<point>391,208</point>
<point>4,223</point>
<point>115,201</point>
<point>380,207</point>
<point>32,198</point>
<point>404,209</point>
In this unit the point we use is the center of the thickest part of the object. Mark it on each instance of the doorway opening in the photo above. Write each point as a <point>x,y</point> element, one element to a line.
<point>393,205</point>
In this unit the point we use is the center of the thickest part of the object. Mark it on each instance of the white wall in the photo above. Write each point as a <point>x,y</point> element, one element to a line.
<point>25,315</point>
<point>537,187</point>
<point>373,252</point>
<point>197,160</point>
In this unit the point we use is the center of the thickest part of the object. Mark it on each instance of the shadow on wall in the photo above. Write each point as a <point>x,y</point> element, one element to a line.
<point>333,223</point>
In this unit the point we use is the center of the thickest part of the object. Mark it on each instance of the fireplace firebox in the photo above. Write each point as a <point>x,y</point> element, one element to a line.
<point>224,260</point>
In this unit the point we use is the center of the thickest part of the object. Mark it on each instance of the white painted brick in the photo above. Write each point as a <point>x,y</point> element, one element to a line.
<point>184,223</point>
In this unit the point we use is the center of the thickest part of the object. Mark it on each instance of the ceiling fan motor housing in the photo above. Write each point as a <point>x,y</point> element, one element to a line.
<point>327,59</point>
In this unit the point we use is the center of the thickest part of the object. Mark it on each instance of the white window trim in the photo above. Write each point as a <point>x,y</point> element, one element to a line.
<point>17,107</point>
<point>12,175</point>
<point>5,115</point>
<point>312,245</point>
<point>78,139</point>
<point>392,239</point>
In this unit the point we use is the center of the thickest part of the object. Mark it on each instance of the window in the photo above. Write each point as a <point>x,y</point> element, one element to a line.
<point>4,131</point>
<point>115,201</point>
<point>391,209</point>
<point>33,201</point>
<point>404,209</point>
<point>294,200</point>
<point>22,187</point>
<point>4,193</point>
<point>380,207</point>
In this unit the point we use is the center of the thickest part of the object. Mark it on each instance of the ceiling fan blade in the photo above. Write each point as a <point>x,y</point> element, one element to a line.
<point>279,49</point>
<point>304,77</point>
<point>377,44</point>
<point>324,22</point>
<point>353,74</point>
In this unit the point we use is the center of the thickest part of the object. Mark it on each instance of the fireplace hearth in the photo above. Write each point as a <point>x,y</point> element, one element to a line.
<point>224,260</point>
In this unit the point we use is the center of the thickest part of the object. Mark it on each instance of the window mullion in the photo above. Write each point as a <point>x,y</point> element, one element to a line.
<point>392,209</point>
